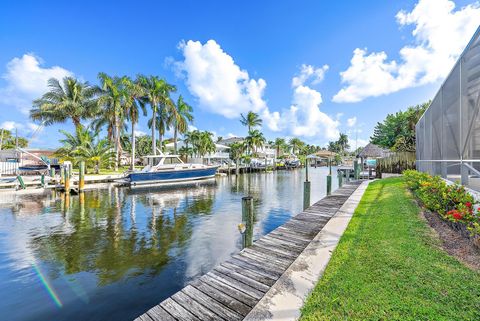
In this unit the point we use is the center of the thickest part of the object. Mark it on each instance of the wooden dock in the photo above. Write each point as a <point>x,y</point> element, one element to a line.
<point>233,288</point>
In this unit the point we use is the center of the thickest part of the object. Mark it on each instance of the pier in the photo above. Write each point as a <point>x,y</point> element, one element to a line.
<point>232,289</point>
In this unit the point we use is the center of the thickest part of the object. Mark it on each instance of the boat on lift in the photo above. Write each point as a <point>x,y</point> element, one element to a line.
<point>169,169</point>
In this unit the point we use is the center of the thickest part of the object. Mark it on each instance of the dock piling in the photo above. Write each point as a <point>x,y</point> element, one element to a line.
<point>340,179</point>
<point>306,188</point>
<point>329,177</point>
<point>81,181</point>
<point>66,175</point>
<point>247,219</point>
<point>306,194</point>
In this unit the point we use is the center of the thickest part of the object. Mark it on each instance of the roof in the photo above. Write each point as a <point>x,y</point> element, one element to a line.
<point>231,140</point>
<point>373,151</point>
<point>325,153</point>
<point>181,144</point>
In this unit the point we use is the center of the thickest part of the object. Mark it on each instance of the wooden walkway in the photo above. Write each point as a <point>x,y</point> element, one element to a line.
<point>233,288</point>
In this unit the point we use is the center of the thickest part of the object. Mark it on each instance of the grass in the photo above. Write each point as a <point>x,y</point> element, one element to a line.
<point>389,266</point>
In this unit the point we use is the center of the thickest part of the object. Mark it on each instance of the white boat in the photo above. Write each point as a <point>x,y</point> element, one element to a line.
<point>169,168</point>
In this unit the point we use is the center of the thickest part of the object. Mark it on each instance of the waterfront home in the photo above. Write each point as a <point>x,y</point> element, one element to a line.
<point>220,156</point>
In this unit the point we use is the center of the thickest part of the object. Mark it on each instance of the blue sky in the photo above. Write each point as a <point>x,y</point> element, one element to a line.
<point>355,61</point>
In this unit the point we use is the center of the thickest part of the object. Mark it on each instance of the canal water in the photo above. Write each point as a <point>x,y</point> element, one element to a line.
<point>111,254</point>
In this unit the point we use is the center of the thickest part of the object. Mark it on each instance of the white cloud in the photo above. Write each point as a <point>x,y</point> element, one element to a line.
<point>29,130</point>
<point>219,84</point>
<point>222,87</point>
<point>440,34</point>
<point>139,133</point>
<point>304,117</point>
<point>351,121</point>
<point>26,80</point>
<point>309,72</point>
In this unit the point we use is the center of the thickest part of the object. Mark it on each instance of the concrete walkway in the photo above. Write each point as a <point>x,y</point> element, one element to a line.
<point>286,297</point>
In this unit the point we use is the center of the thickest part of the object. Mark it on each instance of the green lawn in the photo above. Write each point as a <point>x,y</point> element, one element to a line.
<point>388,266</point>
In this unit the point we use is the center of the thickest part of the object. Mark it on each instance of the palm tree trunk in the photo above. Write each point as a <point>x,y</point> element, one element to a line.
<point>132,163</point>
<point>76,123</point>
<point>175,133</point>
<point>117,142</point>
<point>160,140</point>
<point>154,141</point>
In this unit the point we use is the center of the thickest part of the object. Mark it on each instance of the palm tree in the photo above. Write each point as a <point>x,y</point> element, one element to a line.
<point>132,105</point>
<point>156,93</point>
<point>236,151</point>
<point>343,142</point>
<point>279,145</point>
<point>81,146</point>
<point>250,120</point>
<point>72,99</point>
<point>112,100</point>
<point>296,144</point>
<point>182,115</point>
<point>254,140</point>
<point>205,143</point>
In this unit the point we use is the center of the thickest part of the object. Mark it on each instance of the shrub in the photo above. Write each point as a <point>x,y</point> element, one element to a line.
<point>451,201</point>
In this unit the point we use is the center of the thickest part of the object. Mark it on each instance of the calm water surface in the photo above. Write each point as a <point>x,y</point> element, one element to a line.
<point>113,253</point>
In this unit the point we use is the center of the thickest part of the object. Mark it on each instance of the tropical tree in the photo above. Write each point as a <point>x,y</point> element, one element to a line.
<point>156,93</point>
<point>343,142</point>
<point>397,131</point>
<point>279,145</point>
<point>296,144</point>
<point>8,141</point>
<point>71,99</point>
<point>236,152</point>
<point>250,120</point>
<point>112,103</point>
<point>132,92</point>
<point>255,140</point>
<point>82,146</point>
<point>182,115</point>
<point>204,143</point>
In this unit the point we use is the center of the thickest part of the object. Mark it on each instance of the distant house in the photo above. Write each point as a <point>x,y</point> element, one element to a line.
<point>262,152</point>
<point>220,155</point>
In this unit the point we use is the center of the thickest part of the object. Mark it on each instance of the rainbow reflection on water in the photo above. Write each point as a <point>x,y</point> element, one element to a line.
<point>47,286</point>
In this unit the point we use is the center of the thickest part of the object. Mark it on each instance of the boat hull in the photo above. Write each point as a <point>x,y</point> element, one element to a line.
<point>171,176</point>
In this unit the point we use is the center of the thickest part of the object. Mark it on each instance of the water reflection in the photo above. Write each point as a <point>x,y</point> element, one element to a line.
<point>110,254</point>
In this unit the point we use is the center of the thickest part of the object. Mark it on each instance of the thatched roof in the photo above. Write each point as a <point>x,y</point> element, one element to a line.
<point>373,151</point>
<point>325,153</point>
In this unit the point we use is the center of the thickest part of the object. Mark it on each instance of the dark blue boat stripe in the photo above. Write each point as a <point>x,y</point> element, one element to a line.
<point>172,175</point>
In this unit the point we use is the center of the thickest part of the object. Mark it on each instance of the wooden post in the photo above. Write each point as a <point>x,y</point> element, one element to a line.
<point>306,170</point>
<point>247,219</point>
<point>236,170</point>
<point>81,180</point>
<point>340,179</point>
<point>306,194</point>
<point>67,180</point>
<point>355,169</point>
<point>329,184</point>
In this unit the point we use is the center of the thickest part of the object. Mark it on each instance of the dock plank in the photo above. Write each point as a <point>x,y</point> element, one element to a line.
<point>177,311</point>
<point>222,298</point>
<point>157,313</point>
<point>219,309</point>
<point>231,289</point>
<point>194,307</point>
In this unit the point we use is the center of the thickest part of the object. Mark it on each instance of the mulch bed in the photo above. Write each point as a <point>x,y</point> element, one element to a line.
<point>454,241</point>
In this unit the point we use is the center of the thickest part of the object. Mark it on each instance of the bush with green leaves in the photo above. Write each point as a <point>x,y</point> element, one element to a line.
<point>451,201</point>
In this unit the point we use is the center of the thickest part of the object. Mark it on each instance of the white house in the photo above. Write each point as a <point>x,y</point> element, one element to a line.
<point>221,154</point>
